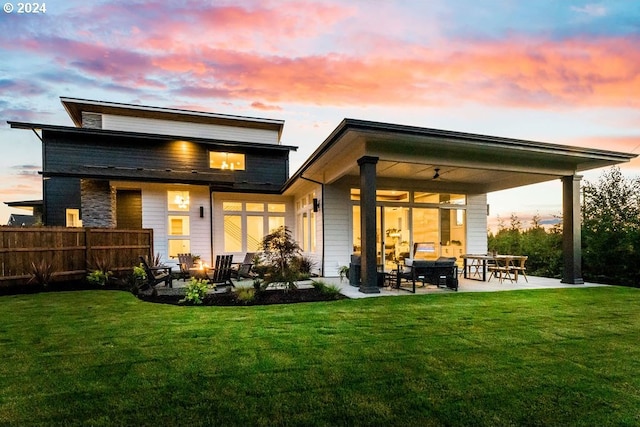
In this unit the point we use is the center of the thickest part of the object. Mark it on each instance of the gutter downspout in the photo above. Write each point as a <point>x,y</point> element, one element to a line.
<point>211,224</point>
<point>322,211</point>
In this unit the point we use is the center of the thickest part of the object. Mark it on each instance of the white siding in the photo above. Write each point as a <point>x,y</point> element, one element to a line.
<point>476,223</point>
<point>155,213</point>
<point>337,209</point>
<point>195,130</point>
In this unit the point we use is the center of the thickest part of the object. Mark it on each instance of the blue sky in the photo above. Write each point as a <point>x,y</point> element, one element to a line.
<point>557,71</point>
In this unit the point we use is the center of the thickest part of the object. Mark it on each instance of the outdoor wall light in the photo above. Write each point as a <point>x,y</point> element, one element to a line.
<point>201,211</point>
<point>316,205</point>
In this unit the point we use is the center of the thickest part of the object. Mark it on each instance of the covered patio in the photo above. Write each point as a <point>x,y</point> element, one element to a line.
<point>465,285</point>
<point>372,155</point>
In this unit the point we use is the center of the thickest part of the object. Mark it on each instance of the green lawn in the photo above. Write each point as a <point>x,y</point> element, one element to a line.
<point>547,357</point>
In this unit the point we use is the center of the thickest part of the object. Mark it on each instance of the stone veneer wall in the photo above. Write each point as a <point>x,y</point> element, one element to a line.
<point>91,120</point>
<point>98,200</point>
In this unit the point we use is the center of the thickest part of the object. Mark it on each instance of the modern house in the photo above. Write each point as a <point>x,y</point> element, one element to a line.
<point>211,184</point>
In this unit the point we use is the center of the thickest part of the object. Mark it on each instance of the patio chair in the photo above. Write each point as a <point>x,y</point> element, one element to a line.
<point>518,267</point>
<point>185,261</point>
<point>243,269</point>
<point>220,275</point>
<point>501,269</point>
<point>155,275</point>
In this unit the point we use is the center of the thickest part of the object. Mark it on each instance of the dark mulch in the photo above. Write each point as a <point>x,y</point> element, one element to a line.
<point>271,296</point>
<point>164,295</point>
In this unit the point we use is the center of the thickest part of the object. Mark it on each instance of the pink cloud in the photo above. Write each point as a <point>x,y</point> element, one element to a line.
<point>275,53</point>
<point>514,73</point>
<point>265,107</point>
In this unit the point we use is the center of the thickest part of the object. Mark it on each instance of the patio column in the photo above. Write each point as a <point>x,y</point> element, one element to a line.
<point>369,282</point>
<point>571,230</point>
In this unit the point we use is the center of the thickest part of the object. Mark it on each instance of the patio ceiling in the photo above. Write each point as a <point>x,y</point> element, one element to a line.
<point>465,162</point>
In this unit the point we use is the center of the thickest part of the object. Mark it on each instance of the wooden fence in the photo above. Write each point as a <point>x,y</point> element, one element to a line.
<point>70,251</point>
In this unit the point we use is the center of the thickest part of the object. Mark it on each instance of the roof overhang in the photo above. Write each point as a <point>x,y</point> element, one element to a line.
<point>76,106</point>
<point>466,162</point>
<point>68,130</point>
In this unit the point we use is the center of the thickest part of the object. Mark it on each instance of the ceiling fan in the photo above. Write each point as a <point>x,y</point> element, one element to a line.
<point>437,174</point>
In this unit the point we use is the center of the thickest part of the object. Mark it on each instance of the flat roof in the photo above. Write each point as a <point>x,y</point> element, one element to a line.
<point>75,107</point>
<point>465,161</point>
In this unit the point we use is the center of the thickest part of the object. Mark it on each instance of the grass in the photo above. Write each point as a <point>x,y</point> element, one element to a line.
<point>546,357</point>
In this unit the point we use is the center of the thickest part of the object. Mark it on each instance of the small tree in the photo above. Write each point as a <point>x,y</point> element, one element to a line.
<point>279,250</point>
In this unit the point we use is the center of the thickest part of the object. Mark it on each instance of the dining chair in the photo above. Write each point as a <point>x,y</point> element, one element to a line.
<point>518,267</point>
<point>501,269</point>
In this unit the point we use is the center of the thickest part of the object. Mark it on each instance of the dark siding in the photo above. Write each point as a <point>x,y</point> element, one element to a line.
<point>160,160</point>
<point>129,209</point>
<point>60,194</point>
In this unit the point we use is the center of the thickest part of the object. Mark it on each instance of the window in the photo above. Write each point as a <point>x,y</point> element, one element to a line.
<point>277,207</point>
<point>275,222</point>
<point>179,246</point>
<point>306,223</point>
<point>178,225</point>
<point>178,201</point>
<point>255,232</point>
<point>384,195</point>
<point>255,207</point>
<point>232,233</point>
<point>232,206</point>
<point>440,198</point>
<point>178,222</point>
<point>246,223</point>
<point>226,161</point>
<point>73,218</point>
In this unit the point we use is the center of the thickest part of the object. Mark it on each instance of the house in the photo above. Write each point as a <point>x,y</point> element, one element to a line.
<point>17,220</point>
<point>211,183</point>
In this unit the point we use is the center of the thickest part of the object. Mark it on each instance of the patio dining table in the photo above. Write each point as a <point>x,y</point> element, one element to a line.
<point>475,265</point>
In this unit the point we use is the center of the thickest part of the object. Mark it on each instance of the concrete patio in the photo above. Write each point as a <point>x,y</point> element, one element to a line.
<point>465,285</point>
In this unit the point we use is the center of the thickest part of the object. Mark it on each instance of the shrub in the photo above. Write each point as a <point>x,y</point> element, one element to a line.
<point>98,278</point>
<point>195,291</point>
<point>330,290</point>
<point>139,273</point>
<point>41,273</point>
<point>303,265</point>
<point>246,295</point>
<point>101,263</point>
<point>155,261</point>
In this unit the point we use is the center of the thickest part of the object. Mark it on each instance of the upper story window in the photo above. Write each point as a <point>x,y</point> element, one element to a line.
<point>226,161</point>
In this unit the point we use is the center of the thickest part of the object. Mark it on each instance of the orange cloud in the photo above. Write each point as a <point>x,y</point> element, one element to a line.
<point>515,73</point>
<point>265,107</point>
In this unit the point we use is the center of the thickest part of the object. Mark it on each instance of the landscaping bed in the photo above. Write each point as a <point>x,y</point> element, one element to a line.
<point>230,298</point>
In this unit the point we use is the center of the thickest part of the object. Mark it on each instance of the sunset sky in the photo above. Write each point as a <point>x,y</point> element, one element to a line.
<point>558,71</point>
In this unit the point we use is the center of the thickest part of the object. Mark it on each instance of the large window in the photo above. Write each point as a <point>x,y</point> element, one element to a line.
<point>435,223</point>
<point>226,161</point>
<point>246,223</point>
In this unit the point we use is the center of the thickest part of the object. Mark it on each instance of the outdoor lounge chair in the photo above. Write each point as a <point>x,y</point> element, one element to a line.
<point>155,275</point>
<point>243,269</point>
<point>220,275</point>
<point>185,261</point>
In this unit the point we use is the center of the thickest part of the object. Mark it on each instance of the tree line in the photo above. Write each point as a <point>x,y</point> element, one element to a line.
<point>610,234</point>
